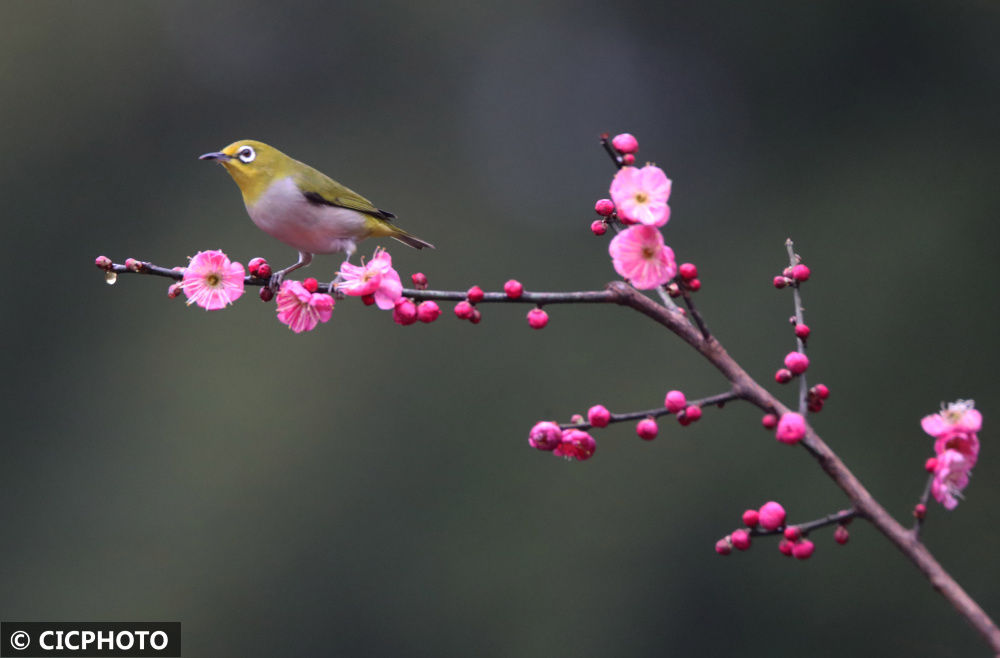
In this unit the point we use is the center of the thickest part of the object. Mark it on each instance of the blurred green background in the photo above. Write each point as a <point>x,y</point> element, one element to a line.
<point>367,489</point>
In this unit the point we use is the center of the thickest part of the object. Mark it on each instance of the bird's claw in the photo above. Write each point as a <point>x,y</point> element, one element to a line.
<point>337,294</point>
<point>275,282</point>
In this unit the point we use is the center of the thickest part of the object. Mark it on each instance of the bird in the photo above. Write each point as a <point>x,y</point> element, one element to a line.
<point>303,207</point>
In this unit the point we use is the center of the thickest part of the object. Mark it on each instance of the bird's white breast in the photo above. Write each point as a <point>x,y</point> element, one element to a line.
<point>284,213</point>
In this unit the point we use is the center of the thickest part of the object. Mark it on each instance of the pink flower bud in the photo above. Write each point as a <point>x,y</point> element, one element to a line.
<point>513,288</point>
<point>476,316</point>
<point>404,312</point>
<point>687,271</point>
<point>598,416</point>
<point>475,294</point>
<point>428,311</point>
<point>625,143</point>
<point>537,318</point>
<point>545,435</point>
<point>802,331</point>
<point>769,421</point>
<point>254,265</point>
<point>133,264</point>
<point>841,535</point>
<point>931,464</point>
<point>822,392</point>
<point>692,413</point>
<point>797,362</point>
<point>647,429</point>
<point>419,280</point>
<point>576,444</point>
<point>814,405</point>
<point>792,533</point>
<point>751,518</point>
<point>772,515</point>
<point>173,290</point>
<point>463,310</point>
<point>266,294</point>
<point>919,511</point>
<point>674,401</point>
<point>783,376</point>
<point>800,272</point>
<point>103,262</point>
<point>780,282</point>
<point>311,284</point>
<point>264,271</point>
<point>786,547</point>
<point>740,539</point>
<point>791,428</point>
<point>604,207</point>
<point>803,550</point>
<point>694,285</point>
<point>723,547</point>
<point>576,419</point>
<point>368,299</point>
<point>599,227</point>
<point>628,159</point>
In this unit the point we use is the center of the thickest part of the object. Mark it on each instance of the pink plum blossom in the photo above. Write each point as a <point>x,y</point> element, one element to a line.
<point>958,417</point>
<point>641,195</point>
<point>300,309</point>
<point>951,475</point>
<point>955,428</point>
<point>211,281</point>
<point>639,255</point>
<point>374,278</point>
<point>576,444</point>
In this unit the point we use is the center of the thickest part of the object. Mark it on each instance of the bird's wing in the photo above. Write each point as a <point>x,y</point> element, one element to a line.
<point>320,189</point>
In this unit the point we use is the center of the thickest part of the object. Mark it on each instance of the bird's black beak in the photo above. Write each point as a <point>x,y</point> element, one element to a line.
<point>218,155</point>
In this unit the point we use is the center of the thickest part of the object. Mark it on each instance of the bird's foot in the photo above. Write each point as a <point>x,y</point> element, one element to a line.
<point>337,294</point>
<point>275,282</point>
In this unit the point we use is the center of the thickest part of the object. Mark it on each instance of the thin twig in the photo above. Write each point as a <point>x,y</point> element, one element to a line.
<point>793,260</point>
<point>718,399</point>
<point>808,526</point>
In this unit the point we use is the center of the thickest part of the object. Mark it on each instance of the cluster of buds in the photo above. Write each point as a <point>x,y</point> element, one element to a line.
<point>686,280</point>
<point>406,311</point>
<point>817,396</point>
<point>793,275</point>
<point>796,363</point>
<point>606,209</point>
<point>770,519</point>
<point>569,443</point>
<point>259,268</point>
<point>598,416</point>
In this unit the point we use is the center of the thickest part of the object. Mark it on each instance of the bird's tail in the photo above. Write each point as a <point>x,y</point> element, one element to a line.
<point>410,240</point>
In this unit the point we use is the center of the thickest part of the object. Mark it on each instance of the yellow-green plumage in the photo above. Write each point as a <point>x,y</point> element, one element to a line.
<point>303,207</point>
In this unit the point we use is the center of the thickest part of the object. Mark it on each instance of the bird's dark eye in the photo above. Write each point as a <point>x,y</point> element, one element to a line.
<point>246,154</point>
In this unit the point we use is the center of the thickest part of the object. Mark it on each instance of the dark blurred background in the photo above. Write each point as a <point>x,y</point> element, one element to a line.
<point>367,489</point>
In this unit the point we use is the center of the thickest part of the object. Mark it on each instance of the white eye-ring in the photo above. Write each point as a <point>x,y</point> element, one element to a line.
<point>246,154</point>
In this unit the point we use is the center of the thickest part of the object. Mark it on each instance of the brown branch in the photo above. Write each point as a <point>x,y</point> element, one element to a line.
<point>743,387</point>
<point>862,501</point>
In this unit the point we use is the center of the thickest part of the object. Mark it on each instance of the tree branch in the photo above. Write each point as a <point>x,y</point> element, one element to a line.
<point>743,387</point>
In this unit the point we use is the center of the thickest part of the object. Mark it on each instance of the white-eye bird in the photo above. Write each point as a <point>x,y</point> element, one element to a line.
<point>302,207</point>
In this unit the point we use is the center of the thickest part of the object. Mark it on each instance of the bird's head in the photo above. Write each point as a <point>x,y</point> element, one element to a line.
<point>252,164</point>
